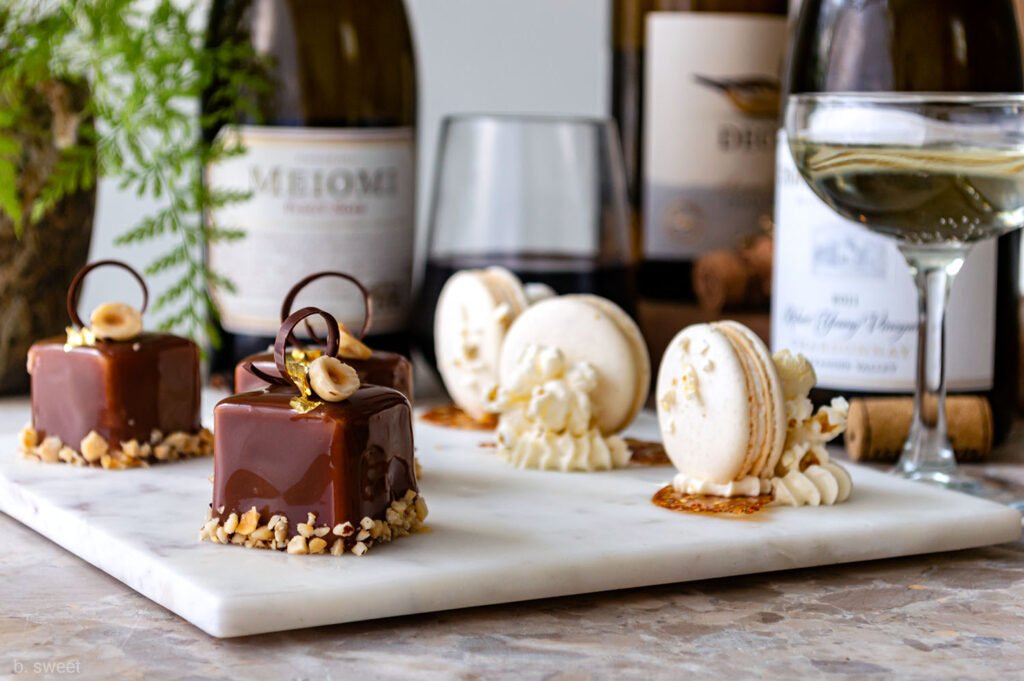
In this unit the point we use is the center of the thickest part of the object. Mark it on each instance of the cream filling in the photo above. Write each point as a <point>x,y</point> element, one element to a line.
<point>546,418</point>
<point>749,486</point>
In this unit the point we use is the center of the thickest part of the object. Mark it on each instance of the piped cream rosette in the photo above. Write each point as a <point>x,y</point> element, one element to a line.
<point>547,416</point>
<point>737,421</point>
<point>574,372</point>
<point>805,474</point>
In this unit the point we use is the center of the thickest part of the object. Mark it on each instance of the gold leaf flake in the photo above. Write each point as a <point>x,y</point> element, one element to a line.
<point>298,371</point>
<point>78,338</point>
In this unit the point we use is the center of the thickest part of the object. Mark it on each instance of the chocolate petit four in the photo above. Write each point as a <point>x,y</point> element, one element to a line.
<point>375,367</point>
<point>111,395</point>
<point>315,462</point>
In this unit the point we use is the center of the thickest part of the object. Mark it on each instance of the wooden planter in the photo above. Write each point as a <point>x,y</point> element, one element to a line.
<point>36,269</point>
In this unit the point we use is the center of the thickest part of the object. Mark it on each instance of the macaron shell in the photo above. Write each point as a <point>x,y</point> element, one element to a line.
<point>637,343</point>
<point>759,427</point>
<point>506,285</point>
<point>584,333</point>
<point>758,400</point>
<point>472,316</point>
<point>771,398</point>
<point>703,408</point>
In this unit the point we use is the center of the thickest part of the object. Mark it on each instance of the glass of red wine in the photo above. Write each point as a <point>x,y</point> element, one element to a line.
<point>543,196</point>
<point>937,173</point>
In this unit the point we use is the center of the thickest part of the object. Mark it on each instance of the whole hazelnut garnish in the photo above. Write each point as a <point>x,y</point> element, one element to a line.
<point>115,321</point>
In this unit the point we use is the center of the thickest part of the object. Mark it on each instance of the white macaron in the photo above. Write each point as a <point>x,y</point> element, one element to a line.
<point>473,313</point>
<point>720,403</point>
<point>590,329</point>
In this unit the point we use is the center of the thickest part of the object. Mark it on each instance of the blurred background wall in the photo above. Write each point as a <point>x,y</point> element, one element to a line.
<point>523,56</point>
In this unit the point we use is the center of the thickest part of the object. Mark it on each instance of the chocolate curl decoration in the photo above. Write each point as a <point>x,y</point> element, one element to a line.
<point>75,290</point>
<point>289,300</point>
<point>281,344</point>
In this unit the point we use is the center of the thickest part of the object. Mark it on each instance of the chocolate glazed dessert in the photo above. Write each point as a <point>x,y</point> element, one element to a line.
<point>315,451</point>
<point>111,395</point>
<point>374,367</point>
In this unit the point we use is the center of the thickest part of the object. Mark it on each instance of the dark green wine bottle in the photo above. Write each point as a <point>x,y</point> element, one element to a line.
<point>695,95</point>
<point>330,164</point>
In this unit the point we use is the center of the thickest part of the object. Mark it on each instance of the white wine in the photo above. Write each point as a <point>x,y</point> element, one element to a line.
<point>330,166</point>
<point>841,294</point>
<point>921,196</point>
<point>695,93</point>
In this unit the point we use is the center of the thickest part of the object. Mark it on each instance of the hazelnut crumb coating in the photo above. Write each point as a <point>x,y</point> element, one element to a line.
<point>403,517</point>
<point>95,451</point>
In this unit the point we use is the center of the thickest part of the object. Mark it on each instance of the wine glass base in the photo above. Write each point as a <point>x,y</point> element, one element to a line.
<point>948,480</point>
<point>953,480</point>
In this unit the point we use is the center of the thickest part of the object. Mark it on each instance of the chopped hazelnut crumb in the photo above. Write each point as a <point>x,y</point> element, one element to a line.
<point>250,519</point>
<point>402,517</point>
<point>29,438</point>
<point>94,450</point>
<point>261,534</point>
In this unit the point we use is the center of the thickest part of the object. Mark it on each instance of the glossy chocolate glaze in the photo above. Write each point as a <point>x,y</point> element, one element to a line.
<point>388,369</point>
<point>342,461</point>
<point>121,389</point>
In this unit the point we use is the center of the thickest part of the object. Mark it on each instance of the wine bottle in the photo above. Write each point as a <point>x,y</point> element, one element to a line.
<point>329,166</point>
<point>842,295</point>
<point>695,95</point>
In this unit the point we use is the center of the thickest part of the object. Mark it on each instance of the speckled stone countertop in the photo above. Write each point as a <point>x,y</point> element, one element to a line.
<point>955,615</point>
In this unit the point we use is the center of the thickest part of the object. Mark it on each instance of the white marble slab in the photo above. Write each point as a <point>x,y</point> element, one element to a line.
<point>498,535</point>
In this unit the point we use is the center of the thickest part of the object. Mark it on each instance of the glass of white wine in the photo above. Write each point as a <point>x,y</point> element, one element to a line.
<point>937,173</point>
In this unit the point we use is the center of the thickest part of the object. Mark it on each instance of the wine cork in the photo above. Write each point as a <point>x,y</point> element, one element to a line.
<point>878,427</point>
<point>720,279</point>
<point>758,257</point>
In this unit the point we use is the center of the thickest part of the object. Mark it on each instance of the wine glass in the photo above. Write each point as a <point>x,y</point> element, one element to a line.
<point>937,173</point>
<point>544,196</point>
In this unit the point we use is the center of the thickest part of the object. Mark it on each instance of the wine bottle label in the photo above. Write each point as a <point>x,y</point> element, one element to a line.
<point>711,107</point>
<point>844,297</point>
<point>320,199</point>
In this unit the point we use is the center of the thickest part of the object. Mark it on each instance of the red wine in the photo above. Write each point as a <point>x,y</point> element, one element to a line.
<point>832,274</point>
<point>565,274</point>
<point>330,165</point>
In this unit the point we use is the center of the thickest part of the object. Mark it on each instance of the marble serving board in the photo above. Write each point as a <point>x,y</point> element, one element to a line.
<point>497,535</point>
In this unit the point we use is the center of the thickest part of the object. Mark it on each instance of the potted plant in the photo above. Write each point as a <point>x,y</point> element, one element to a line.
<point>93,89</point>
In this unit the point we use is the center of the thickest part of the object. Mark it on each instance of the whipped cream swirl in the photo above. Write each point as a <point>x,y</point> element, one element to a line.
<point>546,416</point>
<point>805,474</point>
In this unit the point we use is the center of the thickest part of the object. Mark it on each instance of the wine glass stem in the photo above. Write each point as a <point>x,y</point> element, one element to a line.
<point>927,453</point>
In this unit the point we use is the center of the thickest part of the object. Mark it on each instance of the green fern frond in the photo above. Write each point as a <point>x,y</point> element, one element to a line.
<point>145,64</point>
